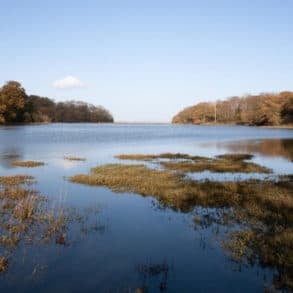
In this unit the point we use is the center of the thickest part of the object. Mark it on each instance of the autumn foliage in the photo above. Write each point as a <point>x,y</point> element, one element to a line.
<point>18,107</point>
<point>262,109</point>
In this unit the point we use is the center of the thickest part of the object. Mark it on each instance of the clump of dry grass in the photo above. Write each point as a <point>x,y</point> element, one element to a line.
<point>178,191</point>
<point>134,178</point>
<point>16,180</point>
<point>26,217</point>
<point>216,165</point>
<point>28,164</point>
<point>3,264</point>
<point>56,226</point>
<point>10,241</point>
<point>170,156</point>
<point>23,212</point>
<point>188,163</point>
<point>20,211</point>
<point>264,207</point>
<point>72,158</point>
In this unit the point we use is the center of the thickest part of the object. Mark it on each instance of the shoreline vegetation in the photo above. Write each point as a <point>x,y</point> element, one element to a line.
<point>265,109</point>
<point>31,219</point>
<point>254,215</point>
<point>16,107</point>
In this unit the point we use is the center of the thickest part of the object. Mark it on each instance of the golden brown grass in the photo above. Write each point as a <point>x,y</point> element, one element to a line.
<point>134,178</point>
<point>23,212</point>
<point>3,264</point>
<point>265,208</point>
<point>188,163</point>
<point>28,164</point>
<point>71,158</point>
<point>170,156</point>
<point>176,190</point>
<point>16,180</point>
<point>26,217</point>
<point>216,165</point>
<point>20,211</point>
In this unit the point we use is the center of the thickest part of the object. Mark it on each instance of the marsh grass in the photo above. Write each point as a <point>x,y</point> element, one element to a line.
<point>170,156</point>
<point>72,158</point>
<point>27,217</point>
<point>16,180</point>
<point>3,264</point>
<point>28,164</point>
<point>186,163</point>
<point>176,190</point>
<point>217,165</point>
<point>263,208</point>
<point>134,178</point>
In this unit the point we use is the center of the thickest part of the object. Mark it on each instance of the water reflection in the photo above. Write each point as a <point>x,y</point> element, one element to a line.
<point>249,241</point>
<point>256,214</point>
<point>265,147</point>
<point>137,233</point>
<point>153,273</point>
<point>9,155</point>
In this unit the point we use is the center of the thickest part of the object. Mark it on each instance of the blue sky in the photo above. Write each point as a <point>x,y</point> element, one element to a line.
<point>145,60</point>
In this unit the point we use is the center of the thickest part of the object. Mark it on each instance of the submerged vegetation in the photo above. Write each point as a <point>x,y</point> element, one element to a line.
<point>147,271</point>
<point>26,217</point>
<point>17,107</point>
<point>262,109</point>
<point>259,213</point>
<point>28,164</point>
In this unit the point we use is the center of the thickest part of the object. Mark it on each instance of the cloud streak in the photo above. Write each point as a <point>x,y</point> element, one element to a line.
<point>68,82</point>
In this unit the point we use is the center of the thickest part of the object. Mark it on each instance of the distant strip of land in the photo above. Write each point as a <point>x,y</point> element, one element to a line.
<point>270,110</point>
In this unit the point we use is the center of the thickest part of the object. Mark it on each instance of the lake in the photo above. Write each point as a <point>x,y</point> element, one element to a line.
<point>126,242</point>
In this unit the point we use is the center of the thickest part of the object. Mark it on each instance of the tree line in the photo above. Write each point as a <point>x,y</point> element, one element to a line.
<point>259,110</point>
<point>18,107</point>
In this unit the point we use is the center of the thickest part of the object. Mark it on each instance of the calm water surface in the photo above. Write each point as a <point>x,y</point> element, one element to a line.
<point>133,233</point>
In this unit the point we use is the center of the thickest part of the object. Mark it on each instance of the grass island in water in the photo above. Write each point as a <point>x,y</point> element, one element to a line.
<point>28,164</point>
<point>259,212</point>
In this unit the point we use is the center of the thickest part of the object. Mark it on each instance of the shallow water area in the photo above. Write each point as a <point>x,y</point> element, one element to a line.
<point>137,243</point>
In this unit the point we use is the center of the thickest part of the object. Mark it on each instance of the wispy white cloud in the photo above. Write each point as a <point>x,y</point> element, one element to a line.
<point>68,82</point>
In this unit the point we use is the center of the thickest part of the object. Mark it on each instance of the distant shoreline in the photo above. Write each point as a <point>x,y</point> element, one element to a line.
<point>287,126</point>
<point>290,126</point>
